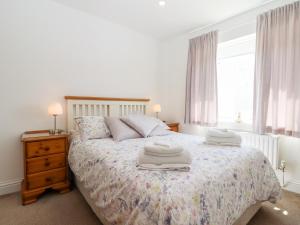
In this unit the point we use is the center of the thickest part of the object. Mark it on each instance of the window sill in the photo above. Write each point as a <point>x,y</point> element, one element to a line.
<point>243,127</point>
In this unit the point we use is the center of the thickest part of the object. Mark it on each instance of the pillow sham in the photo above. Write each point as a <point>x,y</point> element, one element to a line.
<point>92,127</point>
<point>119,130</point>
<point>143,124</point>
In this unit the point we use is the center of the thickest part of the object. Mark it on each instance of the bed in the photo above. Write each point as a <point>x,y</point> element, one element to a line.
<point>225,185</point>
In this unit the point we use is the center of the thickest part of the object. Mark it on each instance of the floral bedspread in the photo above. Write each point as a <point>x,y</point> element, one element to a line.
<point>222,183</point>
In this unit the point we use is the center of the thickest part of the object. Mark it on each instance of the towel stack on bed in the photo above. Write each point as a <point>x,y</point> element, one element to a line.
<point>164,156</point>
<point>222,137</point>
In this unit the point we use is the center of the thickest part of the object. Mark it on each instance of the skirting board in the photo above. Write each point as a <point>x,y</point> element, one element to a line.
<point>293,186</point>
<point>290,184</point>
<point>10,186</point>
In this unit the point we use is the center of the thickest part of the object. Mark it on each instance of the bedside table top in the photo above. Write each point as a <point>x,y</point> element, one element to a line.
<point>41,135</point>
<point>172,123</point>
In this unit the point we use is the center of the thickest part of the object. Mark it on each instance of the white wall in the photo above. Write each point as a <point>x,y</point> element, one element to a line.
<point>173,60</point>
<point>47,51</point>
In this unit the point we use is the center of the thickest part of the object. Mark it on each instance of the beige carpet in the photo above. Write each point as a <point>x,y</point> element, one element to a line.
<point>71,209</point>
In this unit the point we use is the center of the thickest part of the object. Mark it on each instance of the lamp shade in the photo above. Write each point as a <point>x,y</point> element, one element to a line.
<point>157,108</point>
<point>55,109</point>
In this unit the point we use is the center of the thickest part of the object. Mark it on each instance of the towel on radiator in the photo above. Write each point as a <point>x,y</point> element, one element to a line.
<point>177,162</point>
<point>162,149</point>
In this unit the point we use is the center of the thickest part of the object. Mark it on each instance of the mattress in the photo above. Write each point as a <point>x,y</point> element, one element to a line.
<point>222,184</point>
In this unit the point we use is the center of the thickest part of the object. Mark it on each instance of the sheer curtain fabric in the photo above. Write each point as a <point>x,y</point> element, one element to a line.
<point>277,72</point>
<point>201,80</point>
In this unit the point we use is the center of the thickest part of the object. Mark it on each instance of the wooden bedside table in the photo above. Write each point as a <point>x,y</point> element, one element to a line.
<point>173,126</point>
<point>45,164</point>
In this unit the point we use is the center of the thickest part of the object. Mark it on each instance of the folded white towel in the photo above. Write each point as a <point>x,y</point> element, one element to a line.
<point>170,167</point>
<point>222,143</point>
<point>163,144</point>
<point>162,149</point>
<point>222,133</point>
<point>183,158</point>
<point>236,139</point>
<point>222,137</point>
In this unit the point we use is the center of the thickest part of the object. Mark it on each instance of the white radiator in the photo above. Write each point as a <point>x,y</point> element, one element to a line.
<point>268,144</point>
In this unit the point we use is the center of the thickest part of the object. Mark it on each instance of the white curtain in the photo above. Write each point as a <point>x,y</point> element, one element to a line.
<point>201,80</point>
<point>277,72</point>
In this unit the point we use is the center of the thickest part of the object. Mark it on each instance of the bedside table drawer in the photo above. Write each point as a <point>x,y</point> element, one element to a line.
<point>46,178</point>
<point>41,148</point>
<point>35,165</point>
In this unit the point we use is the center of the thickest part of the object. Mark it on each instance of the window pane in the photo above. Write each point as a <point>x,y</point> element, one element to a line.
<point>235,81</point>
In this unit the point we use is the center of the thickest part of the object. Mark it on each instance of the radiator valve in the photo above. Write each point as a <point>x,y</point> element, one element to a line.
<point>282,168</point>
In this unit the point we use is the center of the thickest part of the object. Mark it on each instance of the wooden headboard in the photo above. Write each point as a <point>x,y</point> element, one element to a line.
<point>103,106</point>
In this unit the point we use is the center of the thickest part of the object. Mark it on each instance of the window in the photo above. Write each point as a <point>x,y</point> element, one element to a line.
<point>235,66</point>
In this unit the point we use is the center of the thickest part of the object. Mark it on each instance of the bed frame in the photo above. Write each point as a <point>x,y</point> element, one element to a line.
<point>103,106</point>
<point>116,107</point>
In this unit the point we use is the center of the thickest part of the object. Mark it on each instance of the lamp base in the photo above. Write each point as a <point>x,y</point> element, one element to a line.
<point>57,131</point>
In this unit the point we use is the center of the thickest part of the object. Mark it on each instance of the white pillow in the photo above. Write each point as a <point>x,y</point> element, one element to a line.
<point>92,127</point>
<point>119,130</point>
<point>143,124</point>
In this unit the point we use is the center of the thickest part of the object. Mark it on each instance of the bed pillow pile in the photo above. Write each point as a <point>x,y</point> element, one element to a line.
<point>146,126</point>
<point>119,130</point>
<point>129,127</point>
<point>92,127</point>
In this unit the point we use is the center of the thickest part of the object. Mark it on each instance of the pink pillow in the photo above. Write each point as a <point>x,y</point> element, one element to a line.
<point>159,131</point>
<point>144,125</point>
<point>119,130</point>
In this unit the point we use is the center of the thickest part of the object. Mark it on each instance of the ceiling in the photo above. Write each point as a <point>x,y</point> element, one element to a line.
<point>178,16</point>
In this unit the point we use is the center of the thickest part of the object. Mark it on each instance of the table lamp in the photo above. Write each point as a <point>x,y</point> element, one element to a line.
<point>54,110</point>
<point>157,109</point>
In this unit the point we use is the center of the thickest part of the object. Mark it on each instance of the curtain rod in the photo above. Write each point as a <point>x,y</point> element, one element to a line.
<point>214,26</point>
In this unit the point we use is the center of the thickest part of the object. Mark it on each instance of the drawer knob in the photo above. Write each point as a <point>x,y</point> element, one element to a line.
<point>48,179</point>
<point>47,148</point>
<point>47,163</point>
